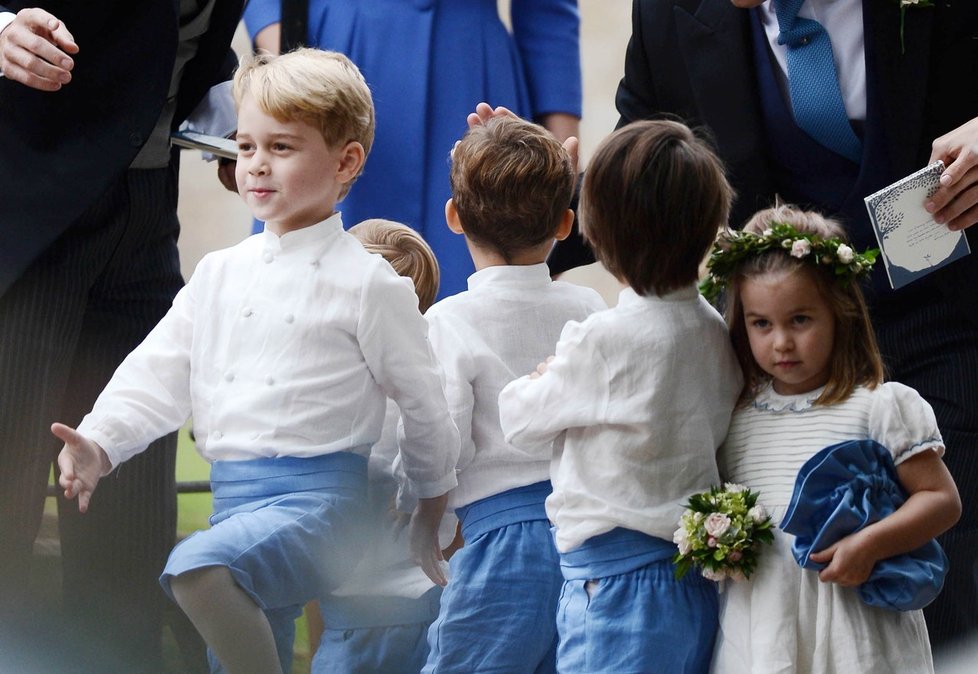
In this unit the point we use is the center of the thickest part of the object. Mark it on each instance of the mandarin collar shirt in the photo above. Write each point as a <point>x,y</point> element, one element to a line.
<point>286,346</point>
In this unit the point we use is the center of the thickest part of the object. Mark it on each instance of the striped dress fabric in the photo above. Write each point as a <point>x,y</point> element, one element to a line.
<point>784,619</point>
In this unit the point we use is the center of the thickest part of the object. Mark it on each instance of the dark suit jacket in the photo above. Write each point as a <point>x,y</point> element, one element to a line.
<point>694,58</point>
<point>60,150</point>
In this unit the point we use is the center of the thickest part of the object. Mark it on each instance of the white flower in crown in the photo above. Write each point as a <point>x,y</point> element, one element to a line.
<point>845,253</point>
<point>716,524</point>
<point>801,248</point>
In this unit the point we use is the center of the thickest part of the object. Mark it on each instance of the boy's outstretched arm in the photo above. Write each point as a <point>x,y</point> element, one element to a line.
<point>81,462</point>
<point>423,535</point>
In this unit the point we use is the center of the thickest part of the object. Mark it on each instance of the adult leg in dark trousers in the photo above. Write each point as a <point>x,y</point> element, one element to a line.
<point>64,327</point>
<point>932,348</point>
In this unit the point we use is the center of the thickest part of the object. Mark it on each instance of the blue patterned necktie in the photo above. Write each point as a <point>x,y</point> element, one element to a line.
<point>813,83</point>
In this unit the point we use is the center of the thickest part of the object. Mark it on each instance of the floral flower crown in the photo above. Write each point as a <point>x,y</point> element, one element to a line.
<point>734,247</point>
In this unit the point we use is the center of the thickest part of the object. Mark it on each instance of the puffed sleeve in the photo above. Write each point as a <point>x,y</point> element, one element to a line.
<point>903,422</point>
<point>547,34</point>
<point>572,392</point>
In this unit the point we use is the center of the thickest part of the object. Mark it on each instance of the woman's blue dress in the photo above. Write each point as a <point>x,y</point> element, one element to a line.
<point>428,63</point>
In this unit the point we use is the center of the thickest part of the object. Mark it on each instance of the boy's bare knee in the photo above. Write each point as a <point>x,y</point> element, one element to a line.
<point>199,584</point>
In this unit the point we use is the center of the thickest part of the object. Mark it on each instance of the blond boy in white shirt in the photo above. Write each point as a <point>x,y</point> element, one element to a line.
<point>280,349</point>
<point>512,184</point>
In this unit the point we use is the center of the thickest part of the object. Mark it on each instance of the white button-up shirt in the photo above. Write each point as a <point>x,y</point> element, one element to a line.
<point>286,346</point>
<point>507,322</point>
<point>642,394</point>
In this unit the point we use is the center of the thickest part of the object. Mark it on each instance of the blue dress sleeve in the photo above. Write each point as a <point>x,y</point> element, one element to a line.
<point>259,14</point>
<point>547,35</point>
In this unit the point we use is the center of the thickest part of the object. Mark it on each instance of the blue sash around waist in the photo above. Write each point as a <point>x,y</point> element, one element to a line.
<point>522,504</point>
<point>237,483</point>
<point>613,553</point>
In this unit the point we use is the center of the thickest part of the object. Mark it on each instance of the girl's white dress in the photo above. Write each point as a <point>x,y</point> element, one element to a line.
<point>784,619</point>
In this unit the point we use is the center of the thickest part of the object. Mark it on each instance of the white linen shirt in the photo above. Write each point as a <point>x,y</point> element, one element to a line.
<point>286,346</point>
<point>506,323</point>
<point>643,395</point>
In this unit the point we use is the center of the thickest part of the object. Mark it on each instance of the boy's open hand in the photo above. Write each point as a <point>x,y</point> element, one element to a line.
<point>423,535</point>
<point>81,462</point>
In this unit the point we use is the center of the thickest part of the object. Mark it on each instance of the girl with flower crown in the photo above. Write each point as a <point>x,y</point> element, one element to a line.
<point>814,383</point>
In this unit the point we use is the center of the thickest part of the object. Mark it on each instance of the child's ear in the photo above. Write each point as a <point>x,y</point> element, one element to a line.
<point>451,217</point>
<point>352,157</point>
<point>565,226</point>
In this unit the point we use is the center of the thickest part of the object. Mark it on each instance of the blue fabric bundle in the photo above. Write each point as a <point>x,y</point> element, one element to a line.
<point>844,488</point>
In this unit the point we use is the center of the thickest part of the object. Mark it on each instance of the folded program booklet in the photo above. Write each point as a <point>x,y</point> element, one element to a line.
<point>222,147</point>
<point>911,243</point>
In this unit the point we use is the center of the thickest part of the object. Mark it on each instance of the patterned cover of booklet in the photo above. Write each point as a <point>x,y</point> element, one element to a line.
<point>911,243</point>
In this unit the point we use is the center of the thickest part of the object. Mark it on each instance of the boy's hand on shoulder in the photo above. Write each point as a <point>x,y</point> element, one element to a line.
<point>81,462</point>
<point>423,535</point>
<point>541,368</point>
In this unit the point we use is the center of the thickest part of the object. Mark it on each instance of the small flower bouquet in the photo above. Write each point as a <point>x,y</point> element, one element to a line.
<point>721,533</point>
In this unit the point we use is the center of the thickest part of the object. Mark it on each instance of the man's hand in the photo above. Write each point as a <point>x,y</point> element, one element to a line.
<point>81,462</point>
<point>955,203</point>
<point>561,126</point>
<point>34,50</point>
<point>424,537</point>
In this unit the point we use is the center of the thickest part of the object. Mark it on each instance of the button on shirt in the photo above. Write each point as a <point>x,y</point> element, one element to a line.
<point>286,346</point>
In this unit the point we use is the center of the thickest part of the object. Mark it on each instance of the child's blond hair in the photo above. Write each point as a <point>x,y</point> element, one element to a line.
<point>512,182</point>
<point>323,89</point>
<point>406,251</point>
<point>855,358</point>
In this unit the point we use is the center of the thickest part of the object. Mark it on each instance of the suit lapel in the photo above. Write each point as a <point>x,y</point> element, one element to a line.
<point>715,44</point>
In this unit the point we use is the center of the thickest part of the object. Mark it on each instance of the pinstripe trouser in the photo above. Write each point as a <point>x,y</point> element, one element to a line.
<point>933,348</point>
<point>64,327</point>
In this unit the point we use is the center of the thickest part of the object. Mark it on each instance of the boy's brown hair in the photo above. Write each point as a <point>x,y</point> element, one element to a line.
<point>855,358</point>
<point>512,182</point>
<point>653,199</point>
<point>323,89</point>
<point>406,251</point>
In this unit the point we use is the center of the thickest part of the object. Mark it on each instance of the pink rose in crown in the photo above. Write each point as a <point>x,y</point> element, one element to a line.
<point>800,248</point>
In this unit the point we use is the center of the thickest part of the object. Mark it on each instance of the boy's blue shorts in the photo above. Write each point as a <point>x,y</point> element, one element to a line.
<point>286,529</point>
<point>375,635</point>
<point>622,610</point>
<point>498,611</point>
